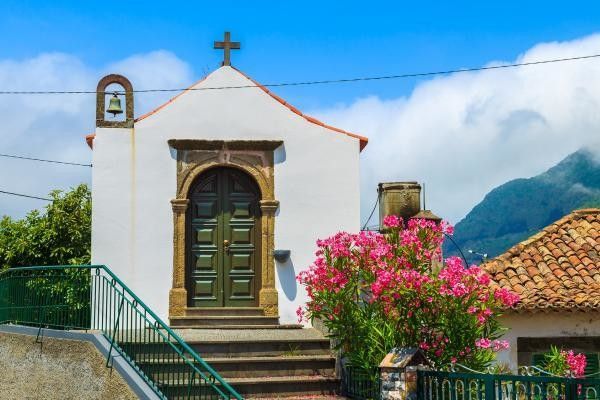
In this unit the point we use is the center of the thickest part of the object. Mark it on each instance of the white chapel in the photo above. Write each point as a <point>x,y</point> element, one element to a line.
<point>215,199</point>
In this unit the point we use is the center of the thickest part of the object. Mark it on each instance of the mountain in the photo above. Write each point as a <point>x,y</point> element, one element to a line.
<point>519,208</point>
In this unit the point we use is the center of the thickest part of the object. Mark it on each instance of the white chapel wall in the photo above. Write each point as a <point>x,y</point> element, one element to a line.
<point>316,182</point>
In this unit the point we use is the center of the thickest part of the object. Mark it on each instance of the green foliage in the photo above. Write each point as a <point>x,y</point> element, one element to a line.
<point>517,209</point>
<point>555,362</point>
<point>61,235</point>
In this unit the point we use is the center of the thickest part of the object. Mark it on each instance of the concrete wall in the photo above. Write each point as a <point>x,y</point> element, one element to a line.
<point>543,325</point>
<point>58,369</point>
<point>134,179</point>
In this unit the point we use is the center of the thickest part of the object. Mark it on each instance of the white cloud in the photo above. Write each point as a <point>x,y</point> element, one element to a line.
<point>54,126</point>
<point>466,133</point>
<point>461,134</point>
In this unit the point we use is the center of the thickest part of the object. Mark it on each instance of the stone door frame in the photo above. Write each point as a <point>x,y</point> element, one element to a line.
<point>256,158</point>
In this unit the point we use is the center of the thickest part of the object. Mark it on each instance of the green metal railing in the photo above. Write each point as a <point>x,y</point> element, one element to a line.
<point>91,297</point>
<point>436,385</point>
<point>360,384</point>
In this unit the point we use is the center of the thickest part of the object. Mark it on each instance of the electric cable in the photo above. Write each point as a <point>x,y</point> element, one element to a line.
<point>45,160</point>
<point>24,195</point>
<point>316,82</point>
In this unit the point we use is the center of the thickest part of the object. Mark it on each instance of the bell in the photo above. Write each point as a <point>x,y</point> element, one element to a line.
<point>114,107</point>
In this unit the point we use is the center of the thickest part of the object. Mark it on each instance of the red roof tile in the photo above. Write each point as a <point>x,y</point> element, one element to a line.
<point>566,277</point>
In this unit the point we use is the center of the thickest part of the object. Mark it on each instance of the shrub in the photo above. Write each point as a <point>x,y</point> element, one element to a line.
<point>564,362</point>
<point>374,292</point>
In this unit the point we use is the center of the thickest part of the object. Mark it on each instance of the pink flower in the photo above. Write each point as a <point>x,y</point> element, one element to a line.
<point>576,362</point>
<point>507,297</point>
<point>447,228</point>
<point>500,345</point>
<point>391,221</point>
<point>300,314</point>
<point>483,343</point>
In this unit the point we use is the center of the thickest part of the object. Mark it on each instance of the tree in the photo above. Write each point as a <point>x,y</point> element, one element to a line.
<point>60,235</point>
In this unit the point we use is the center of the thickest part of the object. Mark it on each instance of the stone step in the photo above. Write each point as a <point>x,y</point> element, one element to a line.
<point>255,342</point>
<point>233,335</point>
<point>307,397</point>
<point>222,320</point>
<point>246,367</point>
<point>254,348</point>
<point>300,397</point>
<point>244,327</point>
<point>219,311</point>
<point>268,387</point>
<point>274,348</point>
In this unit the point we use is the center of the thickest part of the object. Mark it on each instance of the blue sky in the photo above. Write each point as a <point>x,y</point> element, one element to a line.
<point>462,134</point>
<point>291,41</point>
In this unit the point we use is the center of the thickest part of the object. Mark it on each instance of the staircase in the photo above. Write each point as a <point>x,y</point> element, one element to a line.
<point>256,355</point>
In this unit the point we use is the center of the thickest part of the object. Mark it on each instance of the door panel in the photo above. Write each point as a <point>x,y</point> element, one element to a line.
<point>223,245</point>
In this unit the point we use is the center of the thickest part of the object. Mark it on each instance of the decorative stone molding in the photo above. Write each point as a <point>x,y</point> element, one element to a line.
<point>194,157</point>
<point>178,293</point>
<point>101,102</point>
<point>268,294</point>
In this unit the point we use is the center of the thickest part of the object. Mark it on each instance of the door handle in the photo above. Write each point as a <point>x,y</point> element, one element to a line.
<point>226,243</point>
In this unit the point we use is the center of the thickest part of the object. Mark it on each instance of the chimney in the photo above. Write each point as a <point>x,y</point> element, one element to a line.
<point>404,200</point>
<point>399,198</point>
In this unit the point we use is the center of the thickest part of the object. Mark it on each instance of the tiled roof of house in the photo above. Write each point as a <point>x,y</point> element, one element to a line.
<point>557,269</point>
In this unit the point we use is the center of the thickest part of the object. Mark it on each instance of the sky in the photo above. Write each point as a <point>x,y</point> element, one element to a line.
<point>461,134</point>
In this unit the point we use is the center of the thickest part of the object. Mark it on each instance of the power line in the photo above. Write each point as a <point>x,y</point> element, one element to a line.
<point>372,211</point>
<point>318,82</point>
<point>44,160</point>
<point>25,195</point>
<point>459,250</point>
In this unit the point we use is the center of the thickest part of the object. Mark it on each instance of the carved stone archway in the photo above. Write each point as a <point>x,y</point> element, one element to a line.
<point>256,159</point>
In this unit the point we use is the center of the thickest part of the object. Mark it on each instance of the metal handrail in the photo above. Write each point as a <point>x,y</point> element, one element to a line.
<point>140,310</point>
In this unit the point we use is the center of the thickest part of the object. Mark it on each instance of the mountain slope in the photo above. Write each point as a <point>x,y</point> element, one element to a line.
<point>519,208</point>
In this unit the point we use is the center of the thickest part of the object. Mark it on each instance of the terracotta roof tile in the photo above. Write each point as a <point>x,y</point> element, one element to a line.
<point>89,139</point>
<point>556,269</point>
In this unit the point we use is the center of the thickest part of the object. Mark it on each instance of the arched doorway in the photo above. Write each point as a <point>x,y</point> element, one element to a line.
<point>223,249</point>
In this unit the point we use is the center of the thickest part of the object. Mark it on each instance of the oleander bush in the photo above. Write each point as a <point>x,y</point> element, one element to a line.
<point>375,291</point>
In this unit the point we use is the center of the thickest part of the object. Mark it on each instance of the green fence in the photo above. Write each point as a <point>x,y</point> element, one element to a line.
<point>360,384</point>
<point>435,385</point>
<point>93,298</point>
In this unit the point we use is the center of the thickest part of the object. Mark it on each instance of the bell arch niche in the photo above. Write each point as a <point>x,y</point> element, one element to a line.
<point>101,95</point>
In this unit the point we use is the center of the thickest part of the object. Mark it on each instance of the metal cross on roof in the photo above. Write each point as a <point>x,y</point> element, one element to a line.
<point>227,45</point>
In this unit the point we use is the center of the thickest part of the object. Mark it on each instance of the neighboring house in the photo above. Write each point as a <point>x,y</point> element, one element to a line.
<point>557,274</point>
<point>216,198</point>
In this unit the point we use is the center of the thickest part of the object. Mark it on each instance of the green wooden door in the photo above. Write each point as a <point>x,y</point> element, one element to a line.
<point>223,240</point>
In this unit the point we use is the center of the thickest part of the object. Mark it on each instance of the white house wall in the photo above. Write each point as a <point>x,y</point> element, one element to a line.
<point>134,179</point>
<point>532,325</point>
